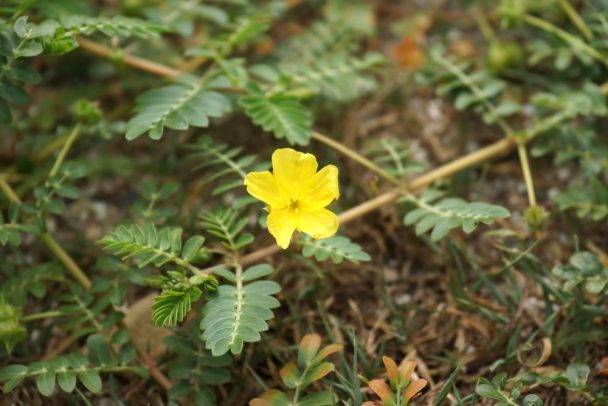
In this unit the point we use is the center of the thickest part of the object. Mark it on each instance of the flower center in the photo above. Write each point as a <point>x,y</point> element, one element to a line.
<point>294,205</point>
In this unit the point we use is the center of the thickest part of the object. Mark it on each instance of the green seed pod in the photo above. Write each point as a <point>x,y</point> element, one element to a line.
<point>502,56</point>
<point>536,217</point>
<point>11,332</point>
<point>512,10</point>
<point>87,111</point>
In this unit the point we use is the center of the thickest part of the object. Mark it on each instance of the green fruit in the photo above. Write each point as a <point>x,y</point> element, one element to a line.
<point>11,332</point>
<point>512,9</point>
<point>503,56</point>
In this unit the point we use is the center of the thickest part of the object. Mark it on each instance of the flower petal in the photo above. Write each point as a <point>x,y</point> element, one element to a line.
<point>264,186</point>
<point>321,189</point>
<point>318,223</point>
<point>281,224</point>
<point>291,168</point>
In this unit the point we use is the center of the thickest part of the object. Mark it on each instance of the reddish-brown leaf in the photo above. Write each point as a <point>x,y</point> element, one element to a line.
<point>413,388</point>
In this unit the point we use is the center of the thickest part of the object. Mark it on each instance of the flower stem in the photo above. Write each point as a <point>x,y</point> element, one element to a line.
<point>8,191</point>
<point>525,167</point>
<point>576,19</point>
<point>64,150</point>
<point>355,156</point>
<point>130,60</point>
<point>483,24</point>
<point>66,260</point>
<point>43,315</point>
<point>575,42</point>
<point>49,241</point>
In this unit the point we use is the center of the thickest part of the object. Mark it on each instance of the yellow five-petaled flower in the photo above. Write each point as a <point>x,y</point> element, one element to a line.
<point>296,195</point>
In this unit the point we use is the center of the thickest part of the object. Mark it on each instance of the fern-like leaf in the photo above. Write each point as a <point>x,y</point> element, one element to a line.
<point>230,167</point>
<point>225,224</point>
<point>337,248</point>
<point>392,154</point>
<point>339,77</point>
<point>147,245</point>
<point>237,314</point>
<point>322,39</point>
<point>171,306</point>
<point>479,90</point>
<point>449,213</point>
<point>114,26</point>
<point>281,114</point>
<point>188,102</point>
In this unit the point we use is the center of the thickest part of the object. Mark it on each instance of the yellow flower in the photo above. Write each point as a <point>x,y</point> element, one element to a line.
<point>296,195</point>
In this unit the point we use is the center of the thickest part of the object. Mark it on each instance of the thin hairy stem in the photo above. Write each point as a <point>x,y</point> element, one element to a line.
<point>525,167</point>
<point>129,60</point>
<point>483,24</point>
<point>508,131</point>
<point>575,42</point>
<point>49,241</point>
<point>8,191</point>
<point>66,260</point>
<point>43,315</point>
<point>355,156</point>
<point>64,150</point>
<point>576,19</point>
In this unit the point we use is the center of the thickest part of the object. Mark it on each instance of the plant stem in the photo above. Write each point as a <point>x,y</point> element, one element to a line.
<point>69,263</point>
<point>43,315</point>
<point>576,19</point>
<point>66,260</point>
<point>566,36</point>
<point>484,25</point>
<point>64,150</point>
<point>525,167</point>
<point>130,60</point>
<point>498,148</point>
<point>491,151</point>
<point>8,191</point>
<point>49,241</point>
<point>464,78</point>
<point>508,131</point>
<point>355,156</point>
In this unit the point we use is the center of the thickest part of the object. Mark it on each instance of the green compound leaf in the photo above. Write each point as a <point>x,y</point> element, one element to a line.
<point>170,307</point>
<point>337,248</point>
<point>64,371</point>
<point>280,114</point>
<point>147,245</point>
<point>225,224</point>
<point>237,314</point>
<point>188,102</point>
<point>224,165</point>
<point>114,26</point>
<point>590,202</point>
<point>338,77</point>
<point>441,216</point>
<point>34,281</point>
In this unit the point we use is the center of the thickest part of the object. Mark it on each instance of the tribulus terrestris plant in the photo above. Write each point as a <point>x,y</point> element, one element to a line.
<point>195,195</point>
